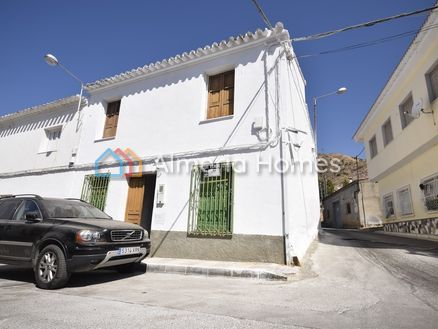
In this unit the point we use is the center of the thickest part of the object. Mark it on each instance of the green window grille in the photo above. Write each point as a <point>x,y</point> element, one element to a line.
<point>211,200</point>
<point>95,189</point>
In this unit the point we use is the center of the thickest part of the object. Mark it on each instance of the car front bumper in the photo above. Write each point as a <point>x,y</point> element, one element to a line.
<point>90,261</point>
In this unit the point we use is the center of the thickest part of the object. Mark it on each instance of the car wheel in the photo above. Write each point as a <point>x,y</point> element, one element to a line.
<point>51,268</point>
<point>130,268</point>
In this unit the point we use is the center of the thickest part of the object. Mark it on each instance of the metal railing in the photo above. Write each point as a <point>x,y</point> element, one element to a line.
<point>95,189</point>
<point>430,190</point>
<point>211,200</point>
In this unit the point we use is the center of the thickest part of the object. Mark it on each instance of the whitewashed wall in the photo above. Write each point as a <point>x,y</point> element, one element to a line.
<point>165,114</point>
<point>22,140</point>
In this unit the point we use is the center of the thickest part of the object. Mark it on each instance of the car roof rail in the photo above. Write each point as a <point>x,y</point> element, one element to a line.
<point>6,196</point>
<point>75,199</point>
<point>36,196</point>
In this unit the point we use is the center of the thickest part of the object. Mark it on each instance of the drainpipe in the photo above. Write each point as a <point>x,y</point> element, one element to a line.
<point>278,133</point>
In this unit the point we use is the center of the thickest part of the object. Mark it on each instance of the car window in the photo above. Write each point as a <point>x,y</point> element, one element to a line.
<point>26,207</point>
<point>8,208</point>
<point>72,209</point>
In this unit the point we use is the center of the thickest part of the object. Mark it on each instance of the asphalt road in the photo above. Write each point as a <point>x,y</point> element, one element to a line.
<point>350,280</point>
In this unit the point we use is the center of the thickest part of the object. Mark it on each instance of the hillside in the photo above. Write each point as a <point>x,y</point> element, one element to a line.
<point>333,180</point>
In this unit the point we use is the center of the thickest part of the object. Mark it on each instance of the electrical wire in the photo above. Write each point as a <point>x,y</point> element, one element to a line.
<point>372,42</point>
<point>263,15</point>
<point>367,24</point>
<point>357,155</point>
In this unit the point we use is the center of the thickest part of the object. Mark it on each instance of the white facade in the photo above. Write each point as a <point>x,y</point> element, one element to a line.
<point>163,116</point>
<point>410,157</point>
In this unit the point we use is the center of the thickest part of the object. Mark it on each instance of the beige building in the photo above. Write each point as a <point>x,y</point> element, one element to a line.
<point>355,205</point>
<point>400,134</point>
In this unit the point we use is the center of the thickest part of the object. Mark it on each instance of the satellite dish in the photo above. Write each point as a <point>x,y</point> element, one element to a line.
<point>417,108</point>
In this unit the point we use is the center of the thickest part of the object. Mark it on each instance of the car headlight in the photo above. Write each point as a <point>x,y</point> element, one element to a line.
<point>89,236</point>
<point>145,234</point>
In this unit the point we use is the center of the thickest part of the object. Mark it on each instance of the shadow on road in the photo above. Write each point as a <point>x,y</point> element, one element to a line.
<point>372,240</point>
<point>26,275</point>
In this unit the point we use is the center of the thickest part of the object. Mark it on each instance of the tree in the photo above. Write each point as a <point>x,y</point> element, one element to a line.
<point>330,187</point>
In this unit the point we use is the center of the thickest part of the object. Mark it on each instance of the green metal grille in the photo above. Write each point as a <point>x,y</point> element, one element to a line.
<point>95,189</point>
<point>211,200</point>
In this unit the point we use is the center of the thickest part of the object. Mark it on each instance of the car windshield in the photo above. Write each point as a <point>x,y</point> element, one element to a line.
<point>72,209</point>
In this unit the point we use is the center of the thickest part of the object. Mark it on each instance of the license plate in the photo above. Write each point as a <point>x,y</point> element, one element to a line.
<point>129,250</point>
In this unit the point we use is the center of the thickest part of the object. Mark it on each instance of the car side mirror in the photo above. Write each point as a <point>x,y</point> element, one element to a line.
<point>33,217</point>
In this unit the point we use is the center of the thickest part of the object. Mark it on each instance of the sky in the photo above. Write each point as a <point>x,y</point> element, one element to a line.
<point>101,38</point>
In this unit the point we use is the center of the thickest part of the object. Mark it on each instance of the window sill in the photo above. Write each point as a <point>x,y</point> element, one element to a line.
<point>104,139</point>
<point>407,215</point>
<point>227,117</point>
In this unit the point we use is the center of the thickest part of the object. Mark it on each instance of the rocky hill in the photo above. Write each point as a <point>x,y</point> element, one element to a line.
<point>341,170</point>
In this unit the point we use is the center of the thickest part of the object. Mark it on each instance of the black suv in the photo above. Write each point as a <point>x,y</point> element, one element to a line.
<point>60,236</point>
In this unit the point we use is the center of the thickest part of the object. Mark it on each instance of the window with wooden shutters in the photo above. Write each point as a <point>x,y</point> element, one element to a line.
<point>406,111</point>
<point>432,83</point>
<point>220,95</point>
<point>112,118</point>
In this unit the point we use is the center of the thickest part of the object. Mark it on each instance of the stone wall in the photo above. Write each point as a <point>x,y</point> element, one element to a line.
<point>238,248</point>
<point>427,226</point>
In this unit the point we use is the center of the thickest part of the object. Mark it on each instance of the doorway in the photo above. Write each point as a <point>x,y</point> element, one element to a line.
<point>337,214</point>
<point>140,203</point>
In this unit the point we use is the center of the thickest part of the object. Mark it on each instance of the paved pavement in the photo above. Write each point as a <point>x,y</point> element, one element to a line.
<point>351,280</point>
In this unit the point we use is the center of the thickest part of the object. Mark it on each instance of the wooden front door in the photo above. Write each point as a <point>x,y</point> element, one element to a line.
<point>134,205</point>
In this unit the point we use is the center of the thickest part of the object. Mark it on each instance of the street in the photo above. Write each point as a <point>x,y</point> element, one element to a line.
<point>351,279</point>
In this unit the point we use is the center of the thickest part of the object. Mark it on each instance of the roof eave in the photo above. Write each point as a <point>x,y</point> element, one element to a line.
<point>190,58</point>
<point>60,103</point>
<point>400,66</point>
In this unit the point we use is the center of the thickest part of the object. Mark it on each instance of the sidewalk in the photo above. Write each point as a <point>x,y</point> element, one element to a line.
<point>410,235</point>
<point>262,271</point>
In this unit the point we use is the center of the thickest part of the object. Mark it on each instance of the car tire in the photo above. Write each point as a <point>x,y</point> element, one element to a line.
<point>130,268</point>
<point>51,268</point>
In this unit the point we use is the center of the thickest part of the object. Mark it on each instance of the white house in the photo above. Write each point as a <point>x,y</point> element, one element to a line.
<point>400,133</point>
<point>218,140</point>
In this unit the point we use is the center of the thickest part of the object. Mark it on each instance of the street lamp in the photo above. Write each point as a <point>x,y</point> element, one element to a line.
<point>53,61</point>
<point>340,91</point>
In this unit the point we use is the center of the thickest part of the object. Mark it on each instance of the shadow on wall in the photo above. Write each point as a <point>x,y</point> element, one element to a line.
<point>157,248</point>
<point>161,80</point>
<point>11,129</point>
<point>227,140</point>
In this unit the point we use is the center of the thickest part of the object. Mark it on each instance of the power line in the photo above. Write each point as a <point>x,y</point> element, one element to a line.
<point>372,42</point>
<point>367,24</point>
<point>357,155</point>
<point>263,15</point>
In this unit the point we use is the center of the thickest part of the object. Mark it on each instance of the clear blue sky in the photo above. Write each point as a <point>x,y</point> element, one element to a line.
<point>97,39</point>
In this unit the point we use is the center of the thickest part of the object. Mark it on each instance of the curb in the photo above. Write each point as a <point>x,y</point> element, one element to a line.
<point>246,273</point>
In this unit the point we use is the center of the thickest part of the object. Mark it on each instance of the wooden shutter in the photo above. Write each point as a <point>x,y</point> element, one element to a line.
<point>433,77</point>
<point>112,118</point>
<point>228,94</point>
<point>221,95</point>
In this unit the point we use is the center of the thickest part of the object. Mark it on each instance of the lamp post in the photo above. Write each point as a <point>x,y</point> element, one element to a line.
<point>53,61</point>
<point>340,91</point>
